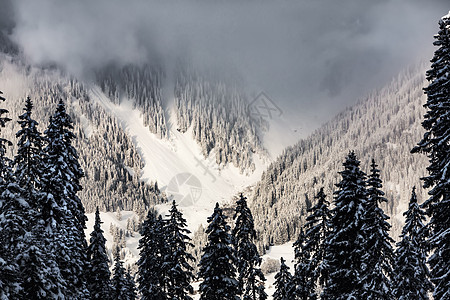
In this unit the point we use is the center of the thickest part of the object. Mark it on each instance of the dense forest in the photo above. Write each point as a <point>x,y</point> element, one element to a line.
<point>384,126</point>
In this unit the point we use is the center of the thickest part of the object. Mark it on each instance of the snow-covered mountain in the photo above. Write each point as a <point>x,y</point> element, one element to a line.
<point>385,126</point>
<point>192,154</point>
<point>144,139</point>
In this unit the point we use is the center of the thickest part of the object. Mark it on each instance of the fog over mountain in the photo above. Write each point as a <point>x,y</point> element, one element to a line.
<point>312,57</point>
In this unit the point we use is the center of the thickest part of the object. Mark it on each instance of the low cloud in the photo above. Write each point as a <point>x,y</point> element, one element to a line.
<point>314,56</point>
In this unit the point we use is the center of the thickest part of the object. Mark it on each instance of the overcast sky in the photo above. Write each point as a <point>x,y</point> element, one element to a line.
<point>313,57</point>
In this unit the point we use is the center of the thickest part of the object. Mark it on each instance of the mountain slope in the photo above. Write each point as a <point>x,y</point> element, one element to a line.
<point>107,154</point>
<point>176,158</point>
<point>385,126</point>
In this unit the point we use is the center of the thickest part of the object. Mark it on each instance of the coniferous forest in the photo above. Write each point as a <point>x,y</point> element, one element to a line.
<point>343,249</point>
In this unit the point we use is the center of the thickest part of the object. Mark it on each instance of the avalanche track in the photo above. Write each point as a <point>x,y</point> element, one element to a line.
<point>177,164</point>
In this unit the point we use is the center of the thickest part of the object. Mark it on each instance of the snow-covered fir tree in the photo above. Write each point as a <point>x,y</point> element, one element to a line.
<point>131,293</point>
<point>98,274</point>
<point>304,285</point>
<point>29,158</point>
<point>13,210</point>
<point>217,265</point>
<point>40,274</point>
<point>284,285</point>
<point>437,148</point>
<point>62,210</point>
<point>317,228</point>
<point>411,274</point>
<point>344,243</point>
<point>152,248</point>
<point>119,281</point>
<point>250,277</point>
<point>177,261</point>
<point>378,253</point>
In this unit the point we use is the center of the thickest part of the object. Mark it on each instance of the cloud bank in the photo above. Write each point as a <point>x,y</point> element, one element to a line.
<point>312,57</point>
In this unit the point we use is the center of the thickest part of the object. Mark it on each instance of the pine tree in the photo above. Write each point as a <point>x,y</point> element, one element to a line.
<point>378,253</point>
<point>435,145</point>
<point>62,210</point>
<point>250,278</point>
<point>343,257</point>
<point>411,279</point>
<point>119,282</point>
<point>177,260</point>
<point>152,248</point>
<point>217,267</point>
<point>316,232</point>
<point>98,275</point>
<point>284,286</point>
<point>302,279</point>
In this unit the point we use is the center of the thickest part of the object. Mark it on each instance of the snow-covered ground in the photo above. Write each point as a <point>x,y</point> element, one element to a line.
<point>285,251</point>
<point>132,253</point>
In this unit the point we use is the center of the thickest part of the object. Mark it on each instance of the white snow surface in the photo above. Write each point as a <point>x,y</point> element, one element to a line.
<point>285,251</point>
<point>165,159</point>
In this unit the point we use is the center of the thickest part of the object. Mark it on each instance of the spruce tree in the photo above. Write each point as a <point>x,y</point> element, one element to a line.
<point>378,254</point>
<point>62,210</point>
<point>250,278</point>
<point>317,228</point>
<point>411,280</point>
<point>151,250</point>
<point>177,260</point>
<point>119,281</point>
<point>98,275</point>
<point>217,265</point>
<point>343,257</point>
<point>284,286</point>
<point>436,146</point>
